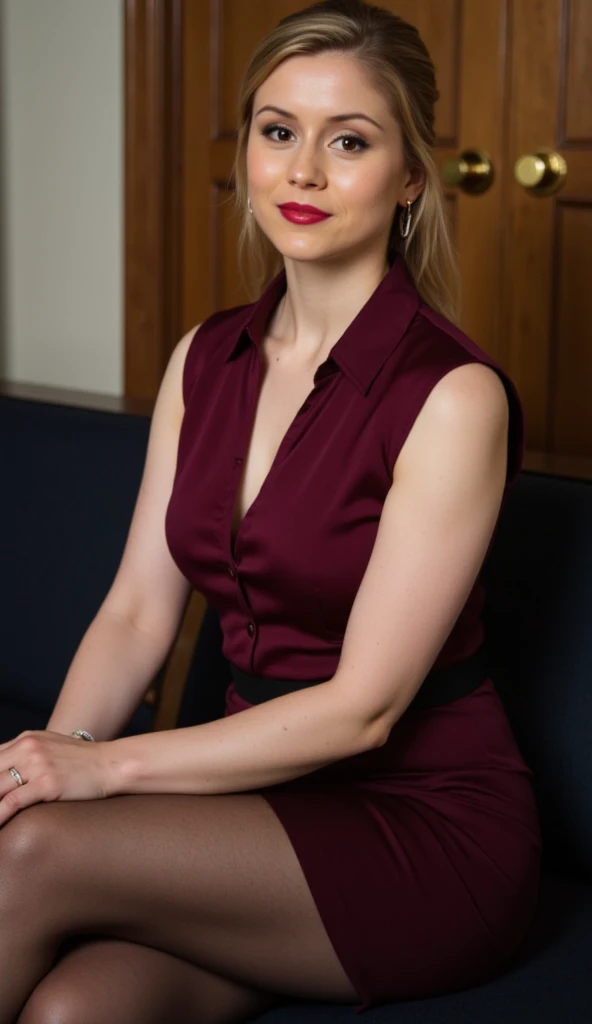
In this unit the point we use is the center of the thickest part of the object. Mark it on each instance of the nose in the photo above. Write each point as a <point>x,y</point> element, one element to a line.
<point>305,169</point>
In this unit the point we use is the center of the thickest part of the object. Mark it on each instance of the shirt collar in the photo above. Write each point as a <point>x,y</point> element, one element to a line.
<point>371,337</point>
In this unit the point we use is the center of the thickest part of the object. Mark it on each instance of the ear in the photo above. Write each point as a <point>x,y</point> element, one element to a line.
<point>414,185</point>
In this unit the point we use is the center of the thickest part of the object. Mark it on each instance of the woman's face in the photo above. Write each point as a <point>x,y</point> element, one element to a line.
<point>323,136</point>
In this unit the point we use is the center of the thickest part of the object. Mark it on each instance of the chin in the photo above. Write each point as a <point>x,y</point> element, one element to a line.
<point>326,255</point>
<point>302,254</point>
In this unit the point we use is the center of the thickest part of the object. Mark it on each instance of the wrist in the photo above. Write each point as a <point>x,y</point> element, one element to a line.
<point>119,767</point>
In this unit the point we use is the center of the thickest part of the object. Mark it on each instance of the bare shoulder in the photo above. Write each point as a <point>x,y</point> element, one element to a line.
<point>172,382</point>
<point>467,411</point>
<point>466,390</point>
<point>182,346</point>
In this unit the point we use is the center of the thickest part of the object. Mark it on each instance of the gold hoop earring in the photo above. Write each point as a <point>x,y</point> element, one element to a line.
<point>405,222</point>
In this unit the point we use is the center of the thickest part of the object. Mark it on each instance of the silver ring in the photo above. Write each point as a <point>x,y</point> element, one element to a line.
<point>16,776</point>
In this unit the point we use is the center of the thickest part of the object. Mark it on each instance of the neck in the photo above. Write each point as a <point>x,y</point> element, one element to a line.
<point>320,302</point>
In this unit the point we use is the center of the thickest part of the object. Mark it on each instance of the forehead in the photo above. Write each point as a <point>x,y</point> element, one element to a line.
<point>325,83</point>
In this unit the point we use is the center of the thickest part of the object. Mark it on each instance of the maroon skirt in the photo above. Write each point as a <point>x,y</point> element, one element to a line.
<point>423,856</point>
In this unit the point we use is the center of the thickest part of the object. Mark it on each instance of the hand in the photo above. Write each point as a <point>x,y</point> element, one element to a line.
<point>52,767</point>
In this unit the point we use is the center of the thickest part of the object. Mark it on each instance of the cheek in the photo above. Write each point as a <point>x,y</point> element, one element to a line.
<point>373,190</point>
<point>263,165</point>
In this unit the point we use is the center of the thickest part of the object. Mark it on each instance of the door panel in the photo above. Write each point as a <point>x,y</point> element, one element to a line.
<point>514,76</point>
<point>548,239</point>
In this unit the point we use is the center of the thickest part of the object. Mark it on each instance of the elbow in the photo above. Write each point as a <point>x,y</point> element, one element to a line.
<point>380,733</point>
<point>378,724</point>
<point>369,727</point>
<point>375,732</point>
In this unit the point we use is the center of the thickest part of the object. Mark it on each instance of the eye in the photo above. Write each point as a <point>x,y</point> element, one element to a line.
<point>352,143</point>
<point>270,128</point>
<point>355,139</point>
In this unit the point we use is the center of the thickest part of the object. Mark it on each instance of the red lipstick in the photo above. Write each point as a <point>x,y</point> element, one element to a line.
<point>300,213</point>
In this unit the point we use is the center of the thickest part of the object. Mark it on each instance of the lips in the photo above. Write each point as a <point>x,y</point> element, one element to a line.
<point>301,213</point>
<point>302,208</point>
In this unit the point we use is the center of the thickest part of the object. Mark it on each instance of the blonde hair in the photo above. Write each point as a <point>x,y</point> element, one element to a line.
<point>393,54</point>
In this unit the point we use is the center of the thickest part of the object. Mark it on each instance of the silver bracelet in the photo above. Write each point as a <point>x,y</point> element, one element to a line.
<point>82,734</point>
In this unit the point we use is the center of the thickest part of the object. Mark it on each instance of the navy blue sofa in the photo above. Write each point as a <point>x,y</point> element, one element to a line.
<point>70,477</point>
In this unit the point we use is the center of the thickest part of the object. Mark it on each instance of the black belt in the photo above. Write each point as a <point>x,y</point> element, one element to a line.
<point>441,686</point>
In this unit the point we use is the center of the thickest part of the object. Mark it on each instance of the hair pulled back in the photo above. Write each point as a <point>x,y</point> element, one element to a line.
<point>398,63</point>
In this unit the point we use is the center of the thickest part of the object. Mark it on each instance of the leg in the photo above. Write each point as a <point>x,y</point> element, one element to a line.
<point>124,983</point>
<point>213,880</point>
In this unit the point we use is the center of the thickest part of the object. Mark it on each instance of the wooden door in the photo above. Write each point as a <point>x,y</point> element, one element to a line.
<point>514,76</point>
<point>548,239</point>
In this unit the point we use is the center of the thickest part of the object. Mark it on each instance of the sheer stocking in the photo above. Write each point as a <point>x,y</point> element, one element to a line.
<point>210,880</point>
<point>99,980</point>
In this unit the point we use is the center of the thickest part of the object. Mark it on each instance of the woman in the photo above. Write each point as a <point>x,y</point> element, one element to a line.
<point>327,466</point>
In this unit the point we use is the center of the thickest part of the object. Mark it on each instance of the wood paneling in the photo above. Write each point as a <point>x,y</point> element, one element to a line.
<point>439,25</point>
<point>529,275</point>
<point>479,230</point>
<point>238,28</point>
<point>153,33</point>
<point>228,288</point>
<point>576,112</point>
<point>575,467</point>
<point>569,390</point>
<point>578,184</point>
<point>197,265</point>
<point>548,244</point>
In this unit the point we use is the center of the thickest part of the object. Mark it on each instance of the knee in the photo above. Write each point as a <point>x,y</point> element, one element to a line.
<point>28,846</point>
<point>53,1002</point>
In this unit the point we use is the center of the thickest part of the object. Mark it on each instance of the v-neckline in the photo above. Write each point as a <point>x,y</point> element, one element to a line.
<point>233,540</point>
<point>275,462</point>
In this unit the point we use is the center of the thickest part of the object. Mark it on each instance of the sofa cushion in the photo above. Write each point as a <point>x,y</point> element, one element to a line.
<point>16,718</point>
<point>69,478</point>
<point>538,618</point>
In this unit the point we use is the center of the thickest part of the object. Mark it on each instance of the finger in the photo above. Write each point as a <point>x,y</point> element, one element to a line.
<point>17,799</point>
<point>28,753</point>
<point>8,783</point>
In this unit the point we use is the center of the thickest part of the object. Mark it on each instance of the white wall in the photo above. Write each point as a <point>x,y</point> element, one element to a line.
<point>61,193</point>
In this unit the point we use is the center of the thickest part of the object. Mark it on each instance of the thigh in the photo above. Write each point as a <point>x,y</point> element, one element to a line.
<point>98,980</point>
<point>211,879</point>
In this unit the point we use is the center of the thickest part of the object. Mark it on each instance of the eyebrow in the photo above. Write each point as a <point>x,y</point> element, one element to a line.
<point>335,118</point>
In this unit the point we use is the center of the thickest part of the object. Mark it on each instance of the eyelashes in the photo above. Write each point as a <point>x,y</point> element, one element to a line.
<point>360,143</point>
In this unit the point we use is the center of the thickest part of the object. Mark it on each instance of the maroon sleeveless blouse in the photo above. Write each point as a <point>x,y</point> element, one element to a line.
<point>285,589</point>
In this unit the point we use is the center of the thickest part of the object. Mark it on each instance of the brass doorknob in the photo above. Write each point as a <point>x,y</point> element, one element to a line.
<point>541,173</point>
<point>471,170</point>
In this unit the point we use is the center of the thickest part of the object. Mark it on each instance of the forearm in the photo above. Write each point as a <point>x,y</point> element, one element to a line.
<point>268,743</point>
<point>108,677</point>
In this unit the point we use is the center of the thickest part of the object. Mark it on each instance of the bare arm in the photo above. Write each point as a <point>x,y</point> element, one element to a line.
<point>434,531</point>
<point>134,629</point>
<point>108,678</point>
